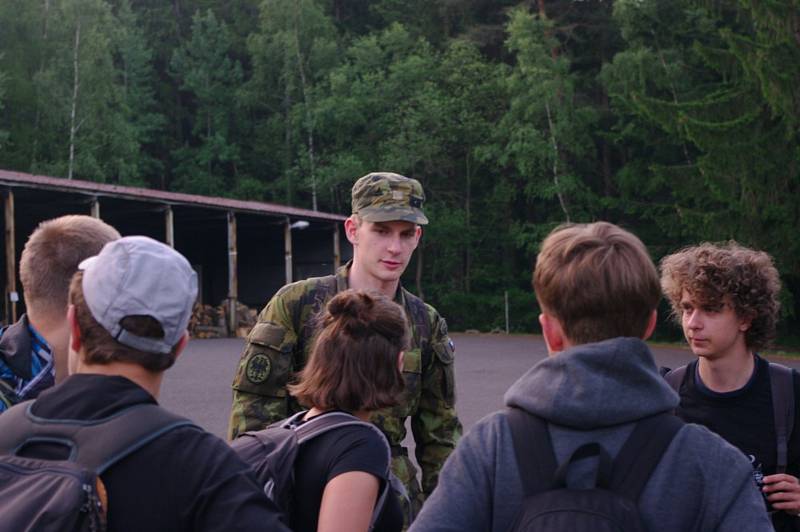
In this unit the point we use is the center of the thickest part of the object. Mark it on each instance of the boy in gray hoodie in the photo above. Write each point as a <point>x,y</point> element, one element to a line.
<point>598,290</point>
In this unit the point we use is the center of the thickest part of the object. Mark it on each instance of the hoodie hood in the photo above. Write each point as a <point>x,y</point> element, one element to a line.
<point>594,385</point>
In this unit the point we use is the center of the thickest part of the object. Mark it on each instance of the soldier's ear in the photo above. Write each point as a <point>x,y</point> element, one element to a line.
<point>351,229</point>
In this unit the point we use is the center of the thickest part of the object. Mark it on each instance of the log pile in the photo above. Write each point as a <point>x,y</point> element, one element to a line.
<point>212,322</point>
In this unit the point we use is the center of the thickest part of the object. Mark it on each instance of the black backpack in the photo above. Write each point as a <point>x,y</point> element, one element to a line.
<point>781,381</point>
<point>67,495</point>
<point>549,505</point>
<point>272,452</point>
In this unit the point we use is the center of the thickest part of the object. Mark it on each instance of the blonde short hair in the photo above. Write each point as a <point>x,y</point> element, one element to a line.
<point>51,257</point>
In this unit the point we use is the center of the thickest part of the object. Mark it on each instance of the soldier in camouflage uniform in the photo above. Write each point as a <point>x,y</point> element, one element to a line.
<point>384,230</point>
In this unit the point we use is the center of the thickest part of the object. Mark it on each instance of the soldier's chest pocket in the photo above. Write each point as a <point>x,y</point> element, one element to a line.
<point>412,373</point>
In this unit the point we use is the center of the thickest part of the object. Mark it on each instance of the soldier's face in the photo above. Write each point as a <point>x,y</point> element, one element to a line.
<point>383,249</point>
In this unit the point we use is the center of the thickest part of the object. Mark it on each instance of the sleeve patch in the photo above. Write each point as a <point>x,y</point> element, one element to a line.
<point>445,350</point>
<point>258,368</point>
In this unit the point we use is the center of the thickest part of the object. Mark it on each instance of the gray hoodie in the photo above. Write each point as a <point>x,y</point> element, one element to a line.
<point>595,392</point>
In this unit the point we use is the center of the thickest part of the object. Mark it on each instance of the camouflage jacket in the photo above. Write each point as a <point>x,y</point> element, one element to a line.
<point>279,344</point>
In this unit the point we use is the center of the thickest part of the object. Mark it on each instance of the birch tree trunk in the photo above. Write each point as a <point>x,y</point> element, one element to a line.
<point>307,105</point>
<point>556,155</point>
<point>73,125</point>
<point>37,119</point>
<point>551,126</point>
<point>287,142</point>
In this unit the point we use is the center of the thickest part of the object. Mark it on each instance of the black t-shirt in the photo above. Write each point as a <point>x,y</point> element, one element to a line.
<point>342,450</point>
<point>745,418</point>
<point>186,479</point>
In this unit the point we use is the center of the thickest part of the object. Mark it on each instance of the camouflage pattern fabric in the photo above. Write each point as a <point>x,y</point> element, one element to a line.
<point>278,346</point>
<point>387,197</point>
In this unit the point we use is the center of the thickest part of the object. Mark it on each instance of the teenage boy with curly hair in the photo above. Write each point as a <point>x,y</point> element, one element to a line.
<point>725,298</point>
<point>598,391</point>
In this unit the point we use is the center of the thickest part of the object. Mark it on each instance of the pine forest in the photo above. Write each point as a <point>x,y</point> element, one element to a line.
<point>677,119</point>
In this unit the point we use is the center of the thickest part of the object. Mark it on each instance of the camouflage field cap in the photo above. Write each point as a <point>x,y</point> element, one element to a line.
<point>388,197</point>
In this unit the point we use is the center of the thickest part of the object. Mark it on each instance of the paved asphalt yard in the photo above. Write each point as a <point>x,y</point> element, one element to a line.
<point>486,365</point>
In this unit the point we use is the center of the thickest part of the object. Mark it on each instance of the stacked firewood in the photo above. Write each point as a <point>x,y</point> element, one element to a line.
<point>208,322</point>
<point>212,322</point>
<point>245,318</point>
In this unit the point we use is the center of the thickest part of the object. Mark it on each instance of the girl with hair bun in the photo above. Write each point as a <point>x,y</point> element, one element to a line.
<point>355,366</point>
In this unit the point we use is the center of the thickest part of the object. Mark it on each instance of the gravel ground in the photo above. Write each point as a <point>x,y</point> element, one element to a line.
<point>486,365</point>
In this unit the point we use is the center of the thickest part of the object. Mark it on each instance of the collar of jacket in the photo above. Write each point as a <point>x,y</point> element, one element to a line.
<point>15,348</point>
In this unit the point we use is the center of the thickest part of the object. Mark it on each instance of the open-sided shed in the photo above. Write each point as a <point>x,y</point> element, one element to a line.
<point>242,250</point>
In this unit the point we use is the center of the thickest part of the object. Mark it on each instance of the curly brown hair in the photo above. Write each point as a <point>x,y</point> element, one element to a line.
<point>713,272</point>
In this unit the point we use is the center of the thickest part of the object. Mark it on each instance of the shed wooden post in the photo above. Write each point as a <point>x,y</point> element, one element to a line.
<point>95,208</point>
<point>11,296</point>
<point>169,224</point>
<point>337,251</point>
<point>233,281</point>
<point>287,249</point>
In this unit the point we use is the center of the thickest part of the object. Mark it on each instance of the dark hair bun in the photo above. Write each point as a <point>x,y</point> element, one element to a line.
<point>353,311</point>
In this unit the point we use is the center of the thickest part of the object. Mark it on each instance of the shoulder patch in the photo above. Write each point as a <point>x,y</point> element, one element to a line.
<point>258,368</point>
<point>445,350</point>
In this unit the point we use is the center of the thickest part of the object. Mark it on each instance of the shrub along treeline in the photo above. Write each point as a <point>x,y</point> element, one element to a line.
<point>678,119</point>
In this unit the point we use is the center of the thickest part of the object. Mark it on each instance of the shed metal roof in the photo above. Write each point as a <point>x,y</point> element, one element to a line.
<point>91,188</point>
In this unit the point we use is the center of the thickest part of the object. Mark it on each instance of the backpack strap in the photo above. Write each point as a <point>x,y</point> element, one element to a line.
<point>782,384</point>
<point>533,448</point>
<point>309,307</point>
<point>418,312</point>
<point>675,378</point>
<point>631,469</point>
<point>329,421</point>
<point>642,452</point>
<point>95,444</point>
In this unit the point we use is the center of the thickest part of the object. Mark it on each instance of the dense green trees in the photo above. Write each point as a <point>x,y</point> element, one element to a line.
<point>677,118</point>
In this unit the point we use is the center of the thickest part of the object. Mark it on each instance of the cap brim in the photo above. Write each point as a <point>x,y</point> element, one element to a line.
<point>393,215</point>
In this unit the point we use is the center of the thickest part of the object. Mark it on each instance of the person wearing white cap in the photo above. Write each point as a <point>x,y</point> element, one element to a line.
<point>128,313</point>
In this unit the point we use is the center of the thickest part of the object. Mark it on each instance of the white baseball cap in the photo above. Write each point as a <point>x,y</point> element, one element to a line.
<point>139,276</point>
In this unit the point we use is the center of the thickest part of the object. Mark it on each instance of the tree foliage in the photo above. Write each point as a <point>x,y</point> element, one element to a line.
<point>679,119</point>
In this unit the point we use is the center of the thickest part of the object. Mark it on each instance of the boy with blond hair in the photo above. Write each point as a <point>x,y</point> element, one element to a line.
<point>33,351</point>
<point>725,298</point>
<point>598,397</point>
<point>128,310</point>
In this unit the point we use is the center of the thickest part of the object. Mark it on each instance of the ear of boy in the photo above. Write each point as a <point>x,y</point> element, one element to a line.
<point>557,341</point>
<point>553,333</point>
